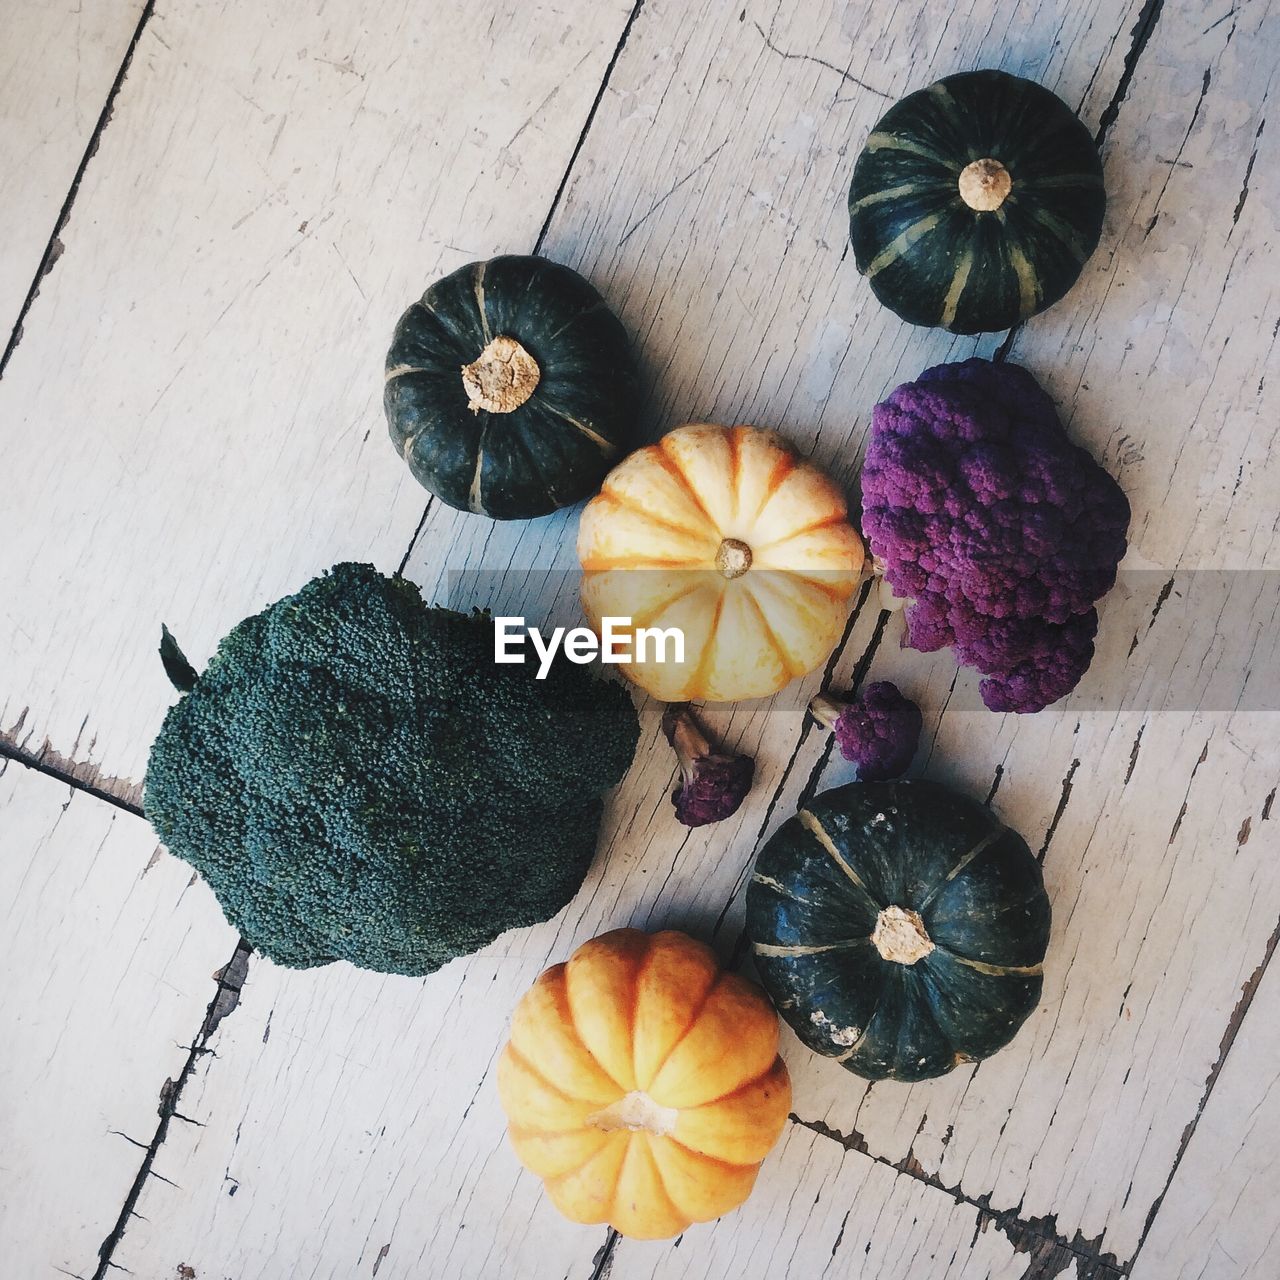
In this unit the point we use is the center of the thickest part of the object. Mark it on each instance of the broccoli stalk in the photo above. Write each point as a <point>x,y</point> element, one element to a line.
<point>713,784</point>
<point>878,730</point>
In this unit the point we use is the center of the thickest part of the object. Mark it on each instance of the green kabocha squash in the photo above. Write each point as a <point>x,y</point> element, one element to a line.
<point>899,928</point>
<point>510,388</point>
<point>976,202</point>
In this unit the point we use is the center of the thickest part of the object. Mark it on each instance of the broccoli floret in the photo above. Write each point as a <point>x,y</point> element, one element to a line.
<point>999,530</point>
<point>878,731</point>
<point>358,780</point>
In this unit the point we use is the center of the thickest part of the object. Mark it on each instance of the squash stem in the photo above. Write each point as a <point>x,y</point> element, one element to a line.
<point>900,936</point>
<point>503,377</point>
<point>984,185</point>
<point>733,558</point>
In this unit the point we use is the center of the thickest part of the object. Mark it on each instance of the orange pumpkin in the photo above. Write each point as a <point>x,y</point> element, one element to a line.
<point>727,535</point>
<point>643,1084</point>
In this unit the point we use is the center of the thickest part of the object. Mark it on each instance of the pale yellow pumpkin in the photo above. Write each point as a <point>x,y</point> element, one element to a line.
<point>643,1084</point>
<point>727,535</point>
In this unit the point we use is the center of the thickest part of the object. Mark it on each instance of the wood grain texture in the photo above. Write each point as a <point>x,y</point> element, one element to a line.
<point>58,60</point>
<point>1217,1221</point>
<point>109,950</point>
<point>349,1119</point>
<point>1151,818</point>
<point>744,312</point>
<point>819,1211</point>
<point>348,1122</point>
<point>276,184</point>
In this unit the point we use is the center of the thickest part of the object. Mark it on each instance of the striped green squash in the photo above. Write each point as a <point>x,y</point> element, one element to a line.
<point>976,202</point>
<point>510,388</point>
<point>899,928</point>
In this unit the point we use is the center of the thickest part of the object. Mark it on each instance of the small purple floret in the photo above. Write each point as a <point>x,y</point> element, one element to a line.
<point>713,784</point>
<point>878,731</point>
<point>999,530</point>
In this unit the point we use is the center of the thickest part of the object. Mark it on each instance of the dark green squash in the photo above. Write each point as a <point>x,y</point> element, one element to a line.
<point>899,928</point>
<point>510,388</point>
<point>976,202</point>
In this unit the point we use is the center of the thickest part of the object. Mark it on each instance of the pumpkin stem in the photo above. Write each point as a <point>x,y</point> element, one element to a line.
<point>733,558</point>
<point>984,184</point>
<point>635,1111</point>
<point>502,379</point>
<point>900,936</point>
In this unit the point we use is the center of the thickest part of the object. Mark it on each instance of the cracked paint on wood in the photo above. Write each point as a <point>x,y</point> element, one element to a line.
<point>720,241</point>
<point>1217,1220</point>
<point>274,187</point>
<point>57,63</point>
<point>109,950</point>
<point>1140,788</point>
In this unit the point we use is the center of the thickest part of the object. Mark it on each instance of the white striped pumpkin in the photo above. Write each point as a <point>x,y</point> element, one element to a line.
<point>726,535</point>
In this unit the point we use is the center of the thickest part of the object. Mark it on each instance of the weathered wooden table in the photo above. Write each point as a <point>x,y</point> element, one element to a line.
<point>211,215</point>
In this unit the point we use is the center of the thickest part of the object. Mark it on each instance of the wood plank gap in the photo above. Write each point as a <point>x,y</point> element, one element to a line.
<point>230,979</point>
<point>1025,1234</point>
<point>1139,37</point>
<point>1247,993</point>
<point>43,762</point>
<point>53,250</point>
<point>586,127</point>
<point>551,212</point>
<point>417,533</point>
<point>602,1263</point>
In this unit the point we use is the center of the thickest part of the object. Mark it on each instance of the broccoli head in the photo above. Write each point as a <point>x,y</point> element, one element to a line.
<point>358,780</point>
<point>878,731</point>
<point>999,530</point>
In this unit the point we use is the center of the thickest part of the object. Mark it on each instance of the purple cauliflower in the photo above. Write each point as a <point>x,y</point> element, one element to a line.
<point>999,531</point>
<point>878,731</point>
<point>712,783</point>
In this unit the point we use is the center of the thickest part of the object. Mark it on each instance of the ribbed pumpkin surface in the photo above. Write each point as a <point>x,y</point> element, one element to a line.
<point>899,928</point>
<point>662,544</point>
<point>934,259</point>
<point>554,439</point>
<point>643,1084</point>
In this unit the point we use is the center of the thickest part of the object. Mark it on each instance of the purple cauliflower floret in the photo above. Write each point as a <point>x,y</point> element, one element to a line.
<point>878,731</point>
<point>712,783</point>
<point>999,530</point>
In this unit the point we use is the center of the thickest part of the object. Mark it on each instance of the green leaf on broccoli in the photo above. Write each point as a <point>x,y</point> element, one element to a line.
<point>182,675</point>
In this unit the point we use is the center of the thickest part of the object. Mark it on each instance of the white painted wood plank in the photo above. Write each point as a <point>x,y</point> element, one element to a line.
<point>419,1158</point>
<point>1070,1124</point>
<point>818,1211</point>
<point>194,421</point>
<point>1161,860</point>
<point>108,951</point>
<point>348,1120</point>
<point>722,241</point>
<point>1218,1219</point>
<point>58,60</point>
